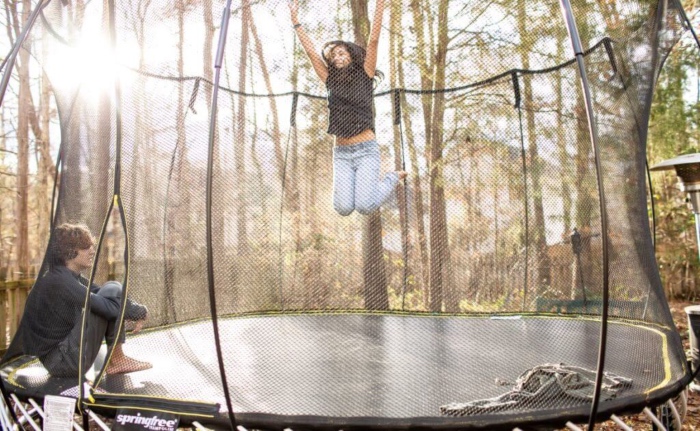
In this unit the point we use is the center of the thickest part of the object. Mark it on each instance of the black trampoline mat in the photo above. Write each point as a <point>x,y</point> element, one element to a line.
<point>382,366</point>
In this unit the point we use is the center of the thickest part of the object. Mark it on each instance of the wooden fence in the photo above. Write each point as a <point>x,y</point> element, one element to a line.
<point>13,296</point>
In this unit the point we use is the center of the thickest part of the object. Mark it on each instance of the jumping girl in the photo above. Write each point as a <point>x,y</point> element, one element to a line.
<point>348,71</point>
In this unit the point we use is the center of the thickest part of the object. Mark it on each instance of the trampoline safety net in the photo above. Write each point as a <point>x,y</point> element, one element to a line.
<point>518,219</point>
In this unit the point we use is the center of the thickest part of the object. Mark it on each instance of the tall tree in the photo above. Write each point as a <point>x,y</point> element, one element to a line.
<point>395,65</point>
<point>70,207</point>
<point>46,168</point>
<point>100,147</point>
<point>431,60</point>
<point>184,201</point>
<point>274,117</point>
<point>374,270</point>
<point>147,221</point>
<point>24,105</point>
<point>240,133</point>
<point>415,178</point>
<point>360,21</point>
<point>674,128</point>
<point>4,176</point>
<point>535,171</point>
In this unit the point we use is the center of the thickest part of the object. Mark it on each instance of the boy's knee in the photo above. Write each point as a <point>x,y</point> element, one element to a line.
<point>111,289</point>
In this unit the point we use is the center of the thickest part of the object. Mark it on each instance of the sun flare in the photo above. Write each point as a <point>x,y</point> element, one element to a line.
<point>91,67</point>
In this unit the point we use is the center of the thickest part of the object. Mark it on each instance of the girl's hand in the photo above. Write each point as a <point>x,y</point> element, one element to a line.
<point>293,9</point>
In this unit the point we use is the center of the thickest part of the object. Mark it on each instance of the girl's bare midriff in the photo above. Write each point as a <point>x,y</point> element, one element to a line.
<point>365,135</point>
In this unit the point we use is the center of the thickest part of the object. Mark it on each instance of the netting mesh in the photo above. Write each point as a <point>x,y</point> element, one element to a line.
<point>499,215</point>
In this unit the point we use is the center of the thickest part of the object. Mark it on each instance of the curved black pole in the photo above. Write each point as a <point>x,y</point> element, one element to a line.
<point>9,62</point>
<point>593,131</point>
<point>210,174</point>
<point>653,228</point>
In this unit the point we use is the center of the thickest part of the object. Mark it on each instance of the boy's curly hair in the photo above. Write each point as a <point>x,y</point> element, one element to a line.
<point>67,239</point>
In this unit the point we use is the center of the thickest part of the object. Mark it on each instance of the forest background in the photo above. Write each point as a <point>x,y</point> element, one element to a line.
<point>30,137</point>
<point>29,140</point>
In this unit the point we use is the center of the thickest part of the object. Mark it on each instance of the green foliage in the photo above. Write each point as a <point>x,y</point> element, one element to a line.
<point>675,130</point>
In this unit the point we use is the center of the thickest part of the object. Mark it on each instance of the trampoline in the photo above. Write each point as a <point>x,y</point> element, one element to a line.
<point>364,370</point>
<point>519,241</point>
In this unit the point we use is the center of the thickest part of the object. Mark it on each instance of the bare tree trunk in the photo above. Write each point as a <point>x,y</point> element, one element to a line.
<point>439,251</point>
<point>3,191</point>
<point>360,21</point>
<point>47,168</point>
<point>142,139</point>
<point>177,220</point>
<point>207,58</point>
<point>23,154</point>
<point>395,20</point>
<point>317,287</point>
<point>181,130</point>
<point>413,157</point>
<point>276,133</point>
<point>427,69</point>
<point>71,206</point>
<point>259,171</point>
<point>374,271</point>
<point>564,158</point>
<point>40,129</point>
<point>539,234</point>
<point>101,184</point>
<point>240,135</point>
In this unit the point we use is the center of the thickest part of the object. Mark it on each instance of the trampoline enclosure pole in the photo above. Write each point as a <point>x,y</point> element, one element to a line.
<point>593,130</point>
<point>209,201</point>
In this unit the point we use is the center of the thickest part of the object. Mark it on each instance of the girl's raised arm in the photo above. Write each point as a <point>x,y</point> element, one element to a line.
<point>371,57</point>
<point>316,60</point>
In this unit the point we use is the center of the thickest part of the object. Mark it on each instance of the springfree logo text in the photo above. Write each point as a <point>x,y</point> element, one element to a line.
<point>153,423</point>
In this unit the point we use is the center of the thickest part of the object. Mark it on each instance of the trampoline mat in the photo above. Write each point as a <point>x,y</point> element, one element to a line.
<point>376,366</point>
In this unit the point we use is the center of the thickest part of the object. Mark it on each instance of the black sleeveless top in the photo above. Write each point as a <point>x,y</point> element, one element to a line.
<point>350,102</point>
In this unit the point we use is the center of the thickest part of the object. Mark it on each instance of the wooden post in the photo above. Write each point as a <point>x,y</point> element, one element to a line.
<point>11,287</point>
<point>22,292</point>
<point>3,311</point>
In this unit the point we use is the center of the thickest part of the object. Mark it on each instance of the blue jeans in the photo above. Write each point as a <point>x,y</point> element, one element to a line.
<point>356,184</point>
